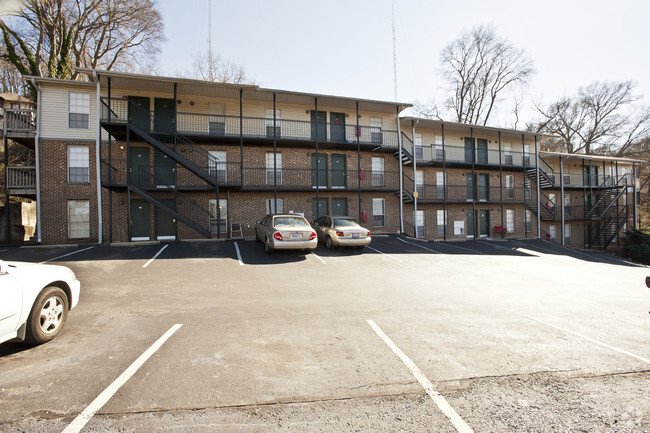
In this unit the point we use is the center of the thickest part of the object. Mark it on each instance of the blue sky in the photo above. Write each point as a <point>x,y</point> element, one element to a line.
<point>346,48</point>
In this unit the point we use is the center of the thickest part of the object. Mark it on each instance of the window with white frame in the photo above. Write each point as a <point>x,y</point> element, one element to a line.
<point>419,224</point>
<point>78,110</point>
<point>440,150</point>
<point>377,171</point>
<point>78,219</point>
<point>78,164</point>
<point>217,165</point>
<point>271,206</point>
<point>270,122</point>
<point>419,182</point>
<point>217,119</point>
<point>441,181</point>
<point>417,142</point>
<point>528,221</point>
<point>441,220</point>
<point>510,186</point>
<point>526,155</point>
<point>273,168</point>
<point>552,233</point>
<point>510,220</point>
<point>507,155</point>
<point>567,234</point>
<point>567,204</point>
<point>376,126</point>
<point>378,212</point>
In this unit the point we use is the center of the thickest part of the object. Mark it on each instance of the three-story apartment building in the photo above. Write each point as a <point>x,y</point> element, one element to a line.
<point>125,157</point>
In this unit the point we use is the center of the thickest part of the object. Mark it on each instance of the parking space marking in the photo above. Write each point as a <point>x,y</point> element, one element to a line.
<point>460,425</point>
<point>155,257</point>
<point>420,246</point>
<point>318,257</point>
<point>241,262</point>
<point>493,245</point>
<point>66,255</point>
<point>82,419</point>
<point>449,244</point>
<point>616,349</point>
<point>384,254</point>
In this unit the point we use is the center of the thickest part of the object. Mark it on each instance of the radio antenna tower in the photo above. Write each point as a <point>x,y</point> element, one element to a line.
<point>394,54</point>
<point>210,76</point>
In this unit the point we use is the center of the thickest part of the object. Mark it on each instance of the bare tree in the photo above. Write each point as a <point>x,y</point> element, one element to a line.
<point>479,67</point>
<point>212,67</point>
<point>600,118</point>
<point>10,79</point>
<point>52,37</point>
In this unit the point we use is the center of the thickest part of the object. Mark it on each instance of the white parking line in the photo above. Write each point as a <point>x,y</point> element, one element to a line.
<point>460,425</point>
<point>318,257</point>
<point>616,349</point>
<point>420,246</point>
<point>241,262</point>
<point>449,244</point>
<point>155,257</point>
<point>384,254</point>
<point>66,255</point>
<point>82,419</point>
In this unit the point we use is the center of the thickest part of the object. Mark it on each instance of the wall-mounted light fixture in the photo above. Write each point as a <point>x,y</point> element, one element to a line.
<point>192,103</point>
<point>178,101</point>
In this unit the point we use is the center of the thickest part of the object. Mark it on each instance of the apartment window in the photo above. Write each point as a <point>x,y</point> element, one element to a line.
<point>78,219</point>
<point>441,184</point>
<point>376,126</point>
<point>526,155</point>
<point>552,233</point>
<point>273,168</point>
<point>378,212</point>
<point>217,165</point>
<point>528,221</point>
<point>218,216</point>
<point>510,186</point>
<point>419,224</point>
<point>78,110</point>
<point>377,171</point>
<point>507,155</point>
<point>440,150</point>
<point>271,206</point>
<point>567,204</point>
<point>510,220</point>
<point>217,122</point>
<point>269,122</point>
<point>417,142</point>
<point>78,164</point>
<point>567,234</point>
<point>419,182</point>
<point>441,217</point>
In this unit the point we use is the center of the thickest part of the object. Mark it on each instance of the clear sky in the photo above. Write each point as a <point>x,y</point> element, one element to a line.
<point>346,48</point>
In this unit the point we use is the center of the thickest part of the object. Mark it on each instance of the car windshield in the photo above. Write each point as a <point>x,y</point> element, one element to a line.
<point>344,222</point>
<point>290,222</point>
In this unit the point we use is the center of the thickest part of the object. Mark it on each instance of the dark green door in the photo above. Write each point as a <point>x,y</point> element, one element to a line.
<point>483,187</point>
<point>590,175</point>
<point>164,169</point>
<point>139,112</point>
<point>165,224</point>
<point>337,127</point>
<point>484,222</point>
<point>338,171</point>
<point>318,125</point>
<point>320,207</point>
<point>139,219</point>
<point>469,150</point>
<point>470,186</point>
<point>319,171</point>
<point>139,171</point>
<point>163,118</point>
<point>470,223</point>
<point>340,206</point>
<point>481,151</point>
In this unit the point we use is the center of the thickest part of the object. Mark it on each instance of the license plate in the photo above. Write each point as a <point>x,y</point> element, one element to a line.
<point>355,235</point>
<point>296,236</point>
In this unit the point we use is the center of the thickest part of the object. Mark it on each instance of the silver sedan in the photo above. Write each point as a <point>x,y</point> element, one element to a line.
<point>337,231</point>
<point>285,232</point>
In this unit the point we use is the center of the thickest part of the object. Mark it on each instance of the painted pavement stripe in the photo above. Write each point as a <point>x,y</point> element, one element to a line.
<point>155,257</point>
<point>66,255</point>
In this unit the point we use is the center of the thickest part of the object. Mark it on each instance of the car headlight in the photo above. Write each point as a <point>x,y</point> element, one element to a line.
<point>71,275</point>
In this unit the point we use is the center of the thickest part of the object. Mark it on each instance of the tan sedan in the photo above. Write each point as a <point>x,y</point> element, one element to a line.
<point>337,231</point>
<point>285,232</point>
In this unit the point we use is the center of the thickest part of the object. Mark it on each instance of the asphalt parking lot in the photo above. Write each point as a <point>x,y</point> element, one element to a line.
<point>483,336</point>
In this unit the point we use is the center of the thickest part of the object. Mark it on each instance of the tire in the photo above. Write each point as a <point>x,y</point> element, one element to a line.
<point>328,243</point>
<point>48,315</point>
<point>267,247</point>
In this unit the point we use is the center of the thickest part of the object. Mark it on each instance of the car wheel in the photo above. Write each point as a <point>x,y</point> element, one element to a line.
<point>48,315</point>
<point>328,243</point>
<point>267,247</point>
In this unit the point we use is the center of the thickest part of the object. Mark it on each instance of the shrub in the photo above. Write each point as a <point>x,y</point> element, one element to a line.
<point>636,246</point>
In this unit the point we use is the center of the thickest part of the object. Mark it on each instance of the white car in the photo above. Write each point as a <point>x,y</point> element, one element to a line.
<point>35,300</point>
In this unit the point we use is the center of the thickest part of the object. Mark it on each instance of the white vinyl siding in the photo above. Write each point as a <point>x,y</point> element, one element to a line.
<point>78,219</point>
<point>78,164</point>
<point>54,120</point>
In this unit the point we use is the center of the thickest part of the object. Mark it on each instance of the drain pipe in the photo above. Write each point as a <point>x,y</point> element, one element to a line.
<point>39,225</point>
<point>98,144</point>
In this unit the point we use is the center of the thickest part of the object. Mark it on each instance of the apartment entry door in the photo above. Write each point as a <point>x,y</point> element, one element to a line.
<point>139,171</point>
<point>165,224</point>
<point>140,218</point>
<point>164,170</point>
<point>320,207</point>
<point>484,222</point>
<point>471,225</point>
<point>138,112</point>
<point>337,127</point>
<point>338,171</point>
<point>318,171</point>
<point>318,125</point>
<point>340,206</point>
<point>164,114</point>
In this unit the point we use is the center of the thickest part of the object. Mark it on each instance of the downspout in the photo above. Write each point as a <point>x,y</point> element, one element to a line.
<point>634,223</point>
<point>98,162</point>
<point>444,180</point>
<point>539,202</point>
<point>415,182</point>
<point>501,187</point>
<point>562,204</point>
<point>401,181</point>
<point>359,159</point>
<point>275,161</point>
<point>39,225</point>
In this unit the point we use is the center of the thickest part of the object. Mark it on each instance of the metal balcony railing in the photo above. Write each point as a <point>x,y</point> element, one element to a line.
<point>437,153</point>
<point>211,125</point>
